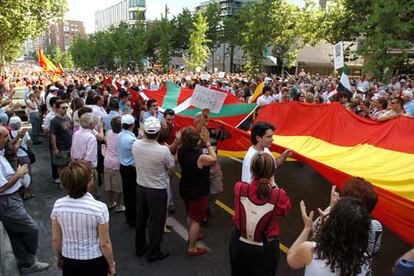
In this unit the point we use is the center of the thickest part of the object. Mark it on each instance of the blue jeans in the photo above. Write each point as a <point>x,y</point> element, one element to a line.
<point>21,228</point>
<point>34,120</point>
<point>4,118</point>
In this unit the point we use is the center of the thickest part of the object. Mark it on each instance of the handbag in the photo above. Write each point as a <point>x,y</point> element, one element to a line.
<point>216,179</point>
<point>30,154</point>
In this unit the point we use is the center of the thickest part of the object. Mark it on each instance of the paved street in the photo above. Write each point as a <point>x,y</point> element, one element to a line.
<point>300,182</point>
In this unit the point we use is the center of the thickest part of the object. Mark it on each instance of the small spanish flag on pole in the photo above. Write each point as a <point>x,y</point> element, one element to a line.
<point>257,92</point>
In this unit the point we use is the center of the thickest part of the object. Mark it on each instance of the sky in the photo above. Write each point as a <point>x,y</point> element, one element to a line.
<point>84,10</point>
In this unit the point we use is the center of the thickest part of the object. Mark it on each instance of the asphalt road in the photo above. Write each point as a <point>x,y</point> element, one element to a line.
<point>299,180</point>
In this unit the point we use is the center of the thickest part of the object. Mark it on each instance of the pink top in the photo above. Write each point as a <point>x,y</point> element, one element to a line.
<point>111,160</point>
<point>85,146</point>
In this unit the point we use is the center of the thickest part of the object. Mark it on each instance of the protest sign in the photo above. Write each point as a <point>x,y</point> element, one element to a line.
<point>338,54</point>
<point>207,98</point>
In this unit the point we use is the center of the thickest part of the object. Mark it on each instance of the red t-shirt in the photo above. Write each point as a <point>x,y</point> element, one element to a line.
<point>172,135</point>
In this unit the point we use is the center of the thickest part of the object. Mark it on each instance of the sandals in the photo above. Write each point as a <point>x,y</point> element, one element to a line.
<point>28,196</point>
<point>199,251</point>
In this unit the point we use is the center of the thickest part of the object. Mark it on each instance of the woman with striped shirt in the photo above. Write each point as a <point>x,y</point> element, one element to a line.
<point>80,226</point>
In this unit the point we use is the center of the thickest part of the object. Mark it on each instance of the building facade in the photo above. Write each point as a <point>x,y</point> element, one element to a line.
<point>62,34</point>
<point>128,11</point>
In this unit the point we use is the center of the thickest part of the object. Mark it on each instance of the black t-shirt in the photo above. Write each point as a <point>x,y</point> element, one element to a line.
<point>194,182</point>
<point>62,129</point>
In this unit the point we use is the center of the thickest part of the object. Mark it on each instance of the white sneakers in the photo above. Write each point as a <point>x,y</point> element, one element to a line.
<point>36,267</point>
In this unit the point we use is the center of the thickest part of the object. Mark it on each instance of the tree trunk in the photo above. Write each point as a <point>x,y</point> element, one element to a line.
<point>231,58</point>
<point>2,62</point>
<point>224,57</point>
<point>212,61</point>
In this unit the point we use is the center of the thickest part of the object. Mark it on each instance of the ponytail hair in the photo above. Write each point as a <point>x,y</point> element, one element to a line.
<point>263,169</point>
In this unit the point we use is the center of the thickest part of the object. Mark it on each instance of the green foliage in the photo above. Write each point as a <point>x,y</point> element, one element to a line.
<point>385,28</point>
<point>215,24</point>
<point>255,34</point>
<point>20,19</point>
<point>181,25</point>
<point>56,56</point>
<point>388,27</point>
<point>164,47</point>
<point>119,47</point>
<point>199,51</point>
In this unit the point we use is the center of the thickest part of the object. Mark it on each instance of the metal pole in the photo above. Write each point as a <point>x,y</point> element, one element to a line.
<point>233,12</point>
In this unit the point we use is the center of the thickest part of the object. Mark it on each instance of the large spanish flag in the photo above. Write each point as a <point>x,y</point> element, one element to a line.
<point>339,144</point>
<point>233,112</point>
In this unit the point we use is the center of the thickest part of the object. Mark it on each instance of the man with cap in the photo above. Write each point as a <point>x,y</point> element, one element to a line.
<point>21,228</point>
<point>153,162</point>
<point>52,93</point>
<point>127,167</point>
<point>408,103</point>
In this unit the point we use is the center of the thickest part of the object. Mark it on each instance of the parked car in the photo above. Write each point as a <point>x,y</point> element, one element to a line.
<point>18,106</point>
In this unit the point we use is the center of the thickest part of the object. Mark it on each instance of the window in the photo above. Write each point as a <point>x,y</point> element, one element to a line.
<point>133,15</point>
<point>136,3</point>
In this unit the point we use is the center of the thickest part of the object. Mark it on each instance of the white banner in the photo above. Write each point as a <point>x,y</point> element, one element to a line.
<point>207,98</point>
<point>338,55</point>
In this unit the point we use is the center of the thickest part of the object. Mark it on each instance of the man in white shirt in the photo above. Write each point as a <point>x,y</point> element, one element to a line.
<point>52,93</point>
<point>97,108</point>
<point>46,129</point>
<point>363,84</point>
<point>153,162</point>
<point>266,97</point>
<point>262,139</point>
<point>21,228</point>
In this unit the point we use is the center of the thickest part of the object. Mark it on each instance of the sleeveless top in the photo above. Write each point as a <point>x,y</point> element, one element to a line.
<point>194,182</point>
<point>319,268</point>
<point>255,218</point>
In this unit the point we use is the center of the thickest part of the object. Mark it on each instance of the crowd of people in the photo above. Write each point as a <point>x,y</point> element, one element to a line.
<point>98,136</point>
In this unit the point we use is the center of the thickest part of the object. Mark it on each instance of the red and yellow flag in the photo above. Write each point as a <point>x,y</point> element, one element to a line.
<point>48,65</point>
<point>340,144</point>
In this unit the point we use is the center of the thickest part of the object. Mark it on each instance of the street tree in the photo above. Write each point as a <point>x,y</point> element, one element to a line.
<point>21,19</point>
<point>388,33</point>
<point>198,51</point>
<point>67,60</point>
<point>165,43</point>
<point>292,28</point>
<point>57,55</point>
<point>255,35</point>
<point>215,27</point>
<point>182,25</point>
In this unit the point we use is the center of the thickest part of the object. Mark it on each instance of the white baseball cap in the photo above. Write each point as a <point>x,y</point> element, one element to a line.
<point>128,119</point>
<point>152,125</point>
<point>15,120</point>
<point>53,88</point>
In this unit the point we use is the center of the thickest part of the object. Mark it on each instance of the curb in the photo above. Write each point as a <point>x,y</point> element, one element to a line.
<point>8,263</point>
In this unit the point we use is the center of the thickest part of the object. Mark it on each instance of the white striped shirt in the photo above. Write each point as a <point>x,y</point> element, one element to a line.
<point>79,219</point>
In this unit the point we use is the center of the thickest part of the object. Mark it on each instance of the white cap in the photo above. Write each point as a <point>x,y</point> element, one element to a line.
<point>380,94</point>
<point>128,119</point>
<point>15,120</point>
<point>53,88</point>
<point>408,94</point>
<point>152,125</point>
